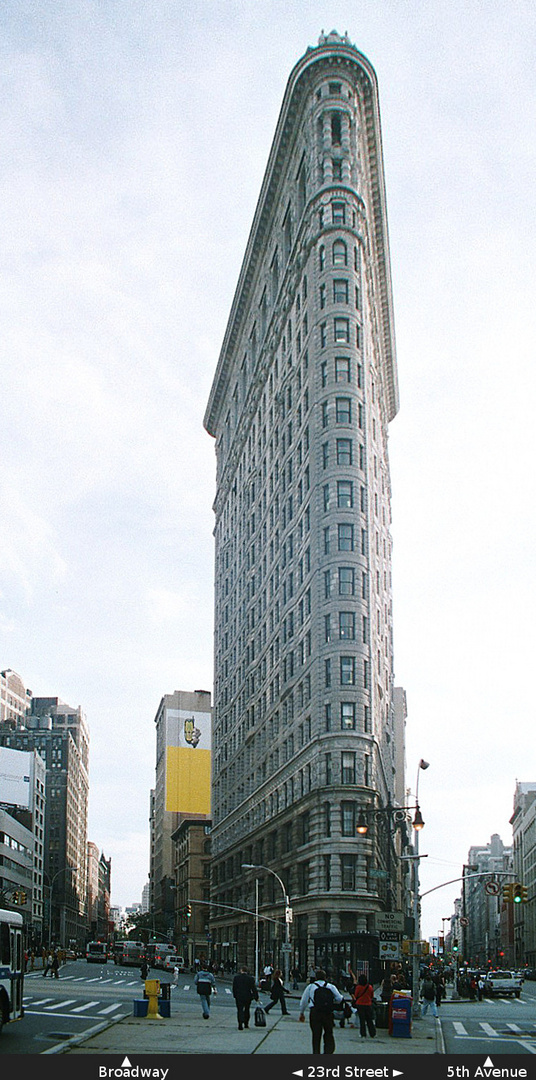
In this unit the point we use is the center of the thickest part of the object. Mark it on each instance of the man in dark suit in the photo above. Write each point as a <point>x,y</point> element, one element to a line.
<point>244,992</point>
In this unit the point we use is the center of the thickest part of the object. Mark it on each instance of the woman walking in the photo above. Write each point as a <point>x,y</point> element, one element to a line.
<point>277,993</point>
<point>363,998</point>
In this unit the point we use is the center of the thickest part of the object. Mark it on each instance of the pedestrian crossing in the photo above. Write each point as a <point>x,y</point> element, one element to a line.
<point>71,1007</point>
<point>471,1029</point>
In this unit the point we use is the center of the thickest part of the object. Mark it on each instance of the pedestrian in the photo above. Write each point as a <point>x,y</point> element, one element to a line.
<point>428,992</point>
<point>440,988</point>
<point>480,988</point>
<point>205,985</point>
<point>364,1003</point>
<point>244,992</point>
<point>296,975</point>
<point>48,965</point>
<point>144,969</point>
<point>175,976</point>
<point>277,993</point>
<point>55,966</point>
<point>320,997</point>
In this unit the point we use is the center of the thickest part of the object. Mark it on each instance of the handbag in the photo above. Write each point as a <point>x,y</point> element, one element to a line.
<point>259,1017</point>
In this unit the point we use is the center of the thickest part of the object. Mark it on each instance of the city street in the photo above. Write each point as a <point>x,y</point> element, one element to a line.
<point>498,1025</point>
<point>87,997</point>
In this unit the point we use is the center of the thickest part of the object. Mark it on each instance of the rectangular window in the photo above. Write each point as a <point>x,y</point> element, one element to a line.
<point>347,670</point>
<point>347,625</point>
<point>323,373</point>
<point>338,213</point>
<point>327,673</point>
<point>344,452</point>
<point>348,767</point>
<point>326,497</point>
<point>327,717</point>
<point>322,296</point>
<point>345,536</point>
<point>327,628</point>
<point>342,369</point>
<point>348,715</point>
<point>327,584</point>
<point>328,768</point>
<point>325,414</point>
<point>323,335</point>
<point>348,818</point>
<point>343,410</point>
<point>348,873</point>
<point>341,330</point>
<point>325,455</point>
<point>326,541</point>
<point>346,581</point>
<point>345,494</point>
<point>340,291</point>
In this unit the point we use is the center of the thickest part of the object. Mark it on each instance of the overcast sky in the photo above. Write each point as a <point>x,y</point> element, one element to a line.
<point>134,142</point>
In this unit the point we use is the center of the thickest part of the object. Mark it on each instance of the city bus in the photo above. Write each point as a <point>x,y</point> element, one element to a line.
<point>97,952</point>
<point>11,966</point>
<point>131,953</point>
<point>156,952</point>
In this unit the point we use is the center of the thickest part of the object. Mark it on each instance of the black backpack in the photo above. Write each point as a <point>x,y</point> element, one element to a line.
<point>323,999</point>
<point>204,988</point>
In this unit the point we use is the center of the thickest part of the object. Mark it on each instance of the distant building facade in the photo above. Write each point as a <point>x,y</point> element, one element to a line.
<point>22,798</point>
<point>305,735</point>
<point>60,734</point>
<point>482,936</point>
<point>523,823</point>
<point>182,787</point>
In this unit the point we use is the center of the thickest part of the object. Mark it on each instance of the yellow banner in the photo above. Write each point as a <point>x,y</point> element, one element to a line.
<point>188,780</point>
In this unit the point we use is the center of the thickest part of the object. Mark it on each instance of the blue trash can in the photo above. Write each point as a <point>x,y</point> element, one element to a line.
<point>141,1006</point>
<point>164,1007</point>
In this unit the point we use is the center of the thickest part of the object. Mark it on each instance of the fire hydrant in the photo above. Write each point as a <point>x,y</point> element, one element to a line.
<point>152,990</point>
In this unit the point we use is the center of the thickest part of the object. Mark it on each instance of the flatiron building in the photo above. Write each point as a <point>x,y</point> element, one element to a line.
<point>304,732</point>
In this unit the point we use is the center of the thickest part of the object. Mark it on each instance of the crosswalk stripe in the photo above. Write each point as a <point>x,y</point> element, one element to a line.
<point>109,1009</point>
<point>61,1004</point>
<point>459,1028</point>
<point>88,1005</point>
<point>487,1028</point>
<point>513,1027</point>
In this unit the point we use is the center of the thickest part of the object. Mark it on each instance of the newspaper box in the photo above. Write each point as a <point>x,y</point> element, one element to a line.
<point>400,1016</point>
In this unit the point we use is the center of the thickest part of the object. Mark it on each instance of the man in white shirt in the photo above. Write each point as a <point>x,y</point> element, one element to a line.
<point>321,1018</point>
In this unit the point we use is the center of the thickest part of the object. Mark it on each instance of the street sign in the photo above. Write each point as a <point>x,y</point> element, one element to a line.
<point>464,921</point>
<point>286,947</point>
<point>389,935</point>
<point>492,888</point>
<point>389,950</point>
<point>389,920</point>
<point>288,914</point>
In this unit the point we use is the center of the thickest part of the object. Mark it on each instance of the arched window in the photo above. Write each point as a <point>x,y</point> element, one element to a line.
<point>339,253</point>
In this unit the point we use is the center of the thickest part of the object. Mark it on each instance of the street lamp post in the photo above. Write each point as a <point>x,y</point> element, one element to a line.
<point>50,887</point>
<point>286,947</point>
<point>417,826</point>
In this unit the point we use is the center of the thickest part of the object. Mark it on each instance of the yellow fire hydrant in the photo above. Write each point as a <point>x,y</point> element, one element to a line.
<point>152,990</point>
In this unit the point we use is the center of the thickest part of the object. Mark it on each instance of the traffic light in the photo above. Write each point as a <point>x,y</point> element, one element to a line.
<point>15,898</point>
<point>519,893</point>
<point>455,945</point>
<point>22,898</point>
<point>507,893</point>
<point>188,911</point>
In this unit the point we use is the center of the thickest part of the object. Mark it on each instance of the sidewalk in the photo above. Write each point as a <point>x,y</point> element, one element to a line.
<point>184,1032</point>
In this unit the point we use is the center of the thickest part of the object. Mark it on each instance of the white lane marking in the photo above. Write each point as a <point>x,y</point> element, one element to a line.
<point>110,1008</point>
<point>88,1005</point>
<point>459,1028</point>
<point>488,1028</point>
<point>61,1004</point>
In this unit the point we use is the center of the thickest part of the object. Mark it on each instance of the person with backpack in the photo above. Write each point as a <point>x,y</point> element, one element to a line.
<point>364,1003</point>
<point>205,985</point>
<point>428,996</point>
<point>320,997</point>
